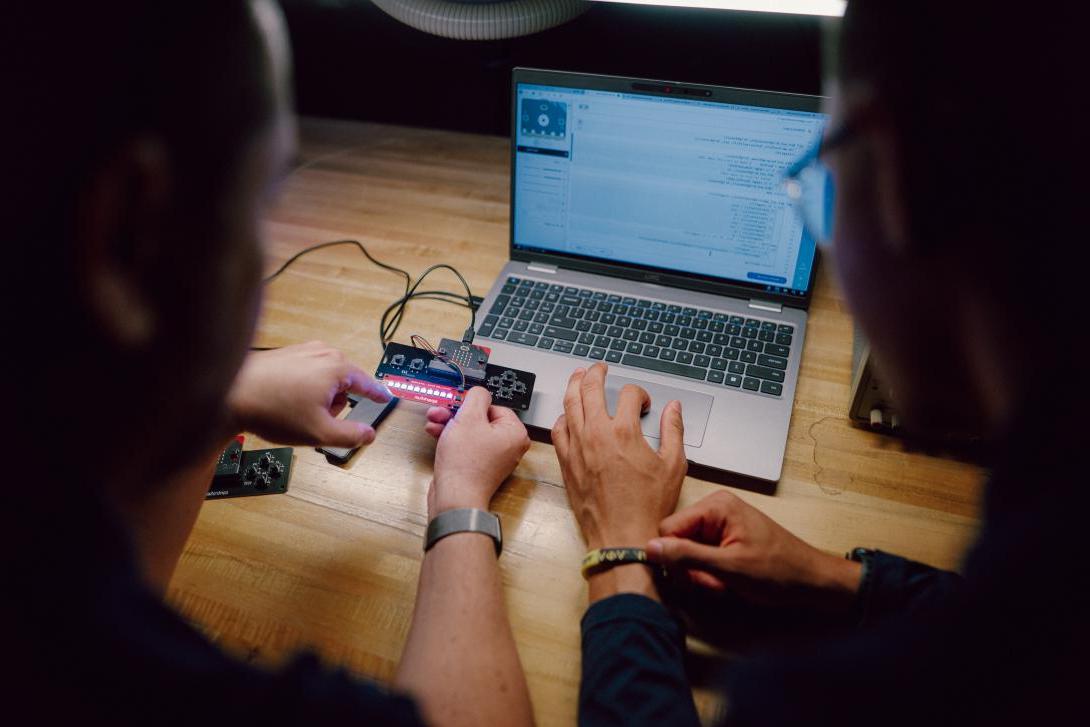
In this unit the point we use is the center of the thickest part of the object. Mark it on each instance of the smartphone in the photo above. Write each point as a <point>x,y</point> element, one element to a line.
<point>366,411</point>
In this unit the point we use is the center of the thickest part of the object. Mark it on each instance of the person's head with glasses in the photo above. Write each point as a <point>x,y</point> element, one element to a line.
<point>945,190</point>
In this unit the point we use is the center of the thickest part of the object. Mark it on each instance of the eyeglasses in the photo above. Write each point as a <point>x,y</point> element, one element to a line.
<point>809,182</point>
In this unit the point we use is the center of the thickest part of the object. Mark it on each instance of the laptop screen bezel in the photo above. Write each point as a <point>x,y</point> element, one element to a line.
<point>654,88</point>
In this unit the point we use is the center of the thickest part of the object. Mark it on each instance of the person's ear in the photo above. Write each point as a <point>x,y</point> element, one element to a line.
<point>120,234</point>
<point>891,192</point>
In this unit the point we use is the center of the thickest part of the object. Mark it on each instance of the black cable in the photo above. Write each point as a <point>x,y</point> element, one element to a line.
<point>319,246</point>
<point>437,295</point>
<point>387,328</point>
<point>387,333</point>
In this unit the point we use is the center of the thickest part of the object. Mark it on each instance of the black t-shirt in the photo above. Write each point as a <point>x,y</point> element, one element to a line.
<point>87,642</point>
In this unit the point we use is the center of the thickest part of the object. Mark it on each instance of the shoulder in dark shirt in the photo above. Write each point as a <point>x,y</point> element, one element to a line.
<point>88,643</point>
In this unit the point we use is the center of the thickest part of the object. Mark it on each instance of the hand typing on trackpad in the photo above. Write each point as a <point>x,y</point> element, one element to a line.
<point>695,407</point>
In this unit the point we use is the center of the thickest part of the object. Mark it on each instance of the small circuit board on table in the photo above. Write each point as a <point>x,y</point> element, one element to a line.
<point>252,472</point>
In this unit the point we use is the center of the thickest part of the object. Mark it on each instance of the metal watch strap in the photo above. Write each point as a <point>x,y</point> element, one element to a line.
<point>464,520</point>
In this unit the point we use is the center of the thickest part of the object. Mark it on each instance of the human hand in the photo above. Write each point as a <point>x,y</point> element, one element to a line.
<point>619,487</point>
<point>292,395</point>
<point>478,448</point>
<point>722,543</point>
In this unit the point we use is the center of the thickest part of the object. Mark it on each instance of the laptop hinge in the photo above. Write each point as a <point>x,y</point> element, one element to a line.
<point>542,268</point>
<point>766,305</point>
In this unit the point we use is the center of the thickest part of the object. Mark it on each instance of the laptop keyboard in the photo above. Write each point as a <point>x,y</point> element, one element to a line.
<point>747,354</point>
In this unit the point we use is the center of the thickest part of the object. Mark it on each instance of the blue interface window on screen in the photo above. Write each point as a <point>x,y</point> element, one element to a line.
<point>676,184</point>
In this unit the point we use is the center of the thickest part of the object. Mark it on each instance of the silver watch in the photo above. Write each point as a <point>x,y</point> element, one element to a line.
<point>465,520</point>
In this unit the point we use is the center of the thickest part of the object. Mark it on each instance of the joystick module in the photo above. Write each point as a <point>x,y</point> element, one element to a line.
<point>255,472</point>
<point>442,377</point>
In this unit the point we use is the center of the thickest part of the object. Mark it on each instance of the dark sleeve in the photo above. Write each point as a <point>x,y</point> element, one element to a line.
<point>893,585</point>
<point>902,633</point>
<point>90,643</point>
<point>633,665</point>
<point>306,692</point>
<point>128,659</point>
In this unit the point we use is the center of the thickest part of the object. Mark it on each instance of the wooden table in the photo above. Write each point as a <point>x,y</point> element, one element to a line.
<point>333,564</point>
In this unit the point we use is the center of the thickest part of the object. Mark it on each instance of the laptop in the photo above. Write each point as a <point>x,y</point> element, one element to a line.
<point>650,229</point>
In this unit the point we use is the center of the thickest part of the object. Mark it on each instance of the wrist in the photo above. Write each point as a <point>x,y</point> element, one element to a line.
<point>448,495</point>
<point>836,582</point>
<point>627,578</point>
<point>237,417</point>
<point>457,503</point>
<point>632,537</point>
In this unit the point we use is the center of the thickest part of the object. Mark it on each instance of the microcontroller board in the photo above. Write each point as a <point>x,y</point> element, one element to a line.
<point>417,374</point>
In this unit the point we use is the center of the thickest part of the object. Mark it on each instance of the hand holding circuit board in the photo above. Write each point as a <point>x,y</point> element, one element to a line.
<point>441,376</point>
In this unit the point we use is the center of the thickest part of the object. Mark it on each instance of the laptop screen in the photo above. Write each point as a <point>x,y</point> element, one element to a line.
<point>675,184</point>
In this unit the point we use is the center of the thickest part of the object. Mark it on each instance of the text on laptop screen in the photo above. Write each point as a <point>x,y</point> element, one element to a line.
<point>673,184</point>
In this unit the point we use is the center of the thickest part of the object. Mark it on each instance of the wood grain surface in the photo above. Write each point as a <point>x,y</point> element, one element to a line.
<point>332,565</point>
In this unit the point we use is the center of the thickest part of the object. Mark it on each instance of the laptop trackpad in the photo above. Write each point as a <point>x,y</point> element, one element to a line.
<point>695,407</point>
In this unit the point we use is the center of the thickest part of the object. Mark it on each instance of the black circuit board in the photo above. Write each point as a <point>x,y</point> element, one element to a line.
<point>472,360</point>
<point>509,387</point>
<point>253,472</point>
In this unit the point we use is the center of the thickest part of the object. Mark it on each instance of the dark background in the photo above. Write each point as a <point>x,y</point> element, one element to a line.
<point>353,61</point>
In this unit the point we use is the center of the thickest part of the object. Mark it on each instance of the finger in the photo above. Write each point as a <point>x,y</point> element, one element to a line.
<point>475,404</point>
<point>436,420</point>
<point>561,439</point>
<point>632,402</point>
<point>701,520</point>
<point>672,433</point>
<point>573,401</point>
<point>708,581</point>
<point>593,392</point>
<point>684,553</point>
<point>345,433</point>
<point>501,418</point>
<point>502,415</point>
<point>439,415</point>
<point>338,404</point>
<point>360,383</point>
